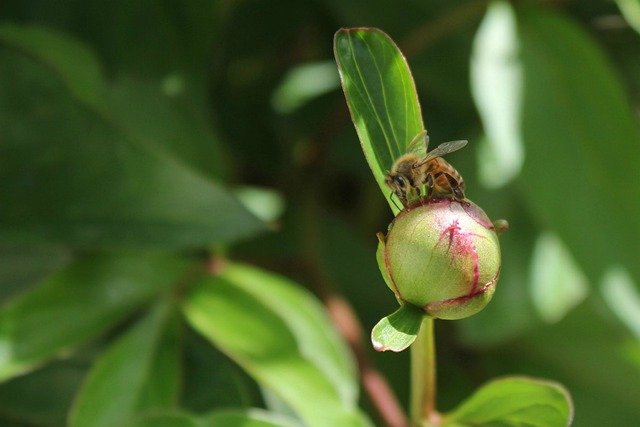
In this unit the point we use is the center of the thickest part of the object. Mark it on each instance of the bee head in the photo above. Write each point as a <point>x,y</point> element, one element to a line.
<point>398,183</point>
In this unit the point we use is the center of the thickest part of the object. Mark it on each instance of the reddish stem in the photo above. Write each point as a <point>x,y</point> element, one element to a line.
<point>374,384</point>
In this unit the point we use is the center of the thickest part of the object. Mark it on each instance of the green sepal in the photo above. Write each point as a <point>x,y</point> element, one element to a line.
<point>399,330</point>
<point>383,265</point>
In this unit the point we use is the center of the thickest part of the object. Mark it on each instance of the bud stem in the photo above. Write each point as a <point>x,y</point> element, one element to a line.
<point>423,380</point>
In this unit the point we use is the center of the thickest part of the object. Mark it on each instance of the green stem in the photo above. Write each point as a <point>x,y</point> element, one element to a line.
<point>423,377</point>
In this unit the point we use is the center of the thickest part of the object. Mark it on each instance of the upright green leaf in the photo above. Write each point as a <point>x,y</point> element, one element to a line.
<point>515,401</point>
<point>381,96</point>
<point>78,303</point>
<point>279,335</point>
<point>114,387</point>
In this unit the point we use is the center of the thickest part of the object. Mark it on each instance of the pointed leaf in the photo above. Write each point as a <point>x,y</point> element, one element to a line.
<point>399,330</point>
<point>82,301</point>
<point>115,384</point>
<point>381,96</point>
<point>280,336</point>
<point>515,401</point>
<point>163,383</point>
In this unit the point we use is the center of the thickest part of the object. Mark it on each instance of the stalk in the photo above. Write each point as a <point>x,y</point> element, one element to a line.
<point>423,381</point>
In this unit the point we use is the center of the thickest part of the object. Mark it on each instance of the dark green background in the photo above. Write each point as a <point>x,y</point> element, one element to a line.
<point>137,144</point>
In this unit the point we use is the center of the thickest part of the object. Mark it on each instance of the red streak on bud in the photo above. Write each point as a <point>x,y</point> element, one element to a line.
<point>439,305</point>
<point>451,230</point>
<point>388,267</point>
<point>461,244</point>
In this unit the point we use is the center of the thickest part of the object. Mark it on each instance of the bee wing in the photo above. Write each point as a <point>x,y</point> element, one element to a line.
<point>442,149</point>
<point>418,144</point>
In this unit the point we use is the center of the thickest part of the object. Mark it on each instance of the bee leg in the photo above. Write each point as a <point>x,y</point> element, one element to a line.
<point>418,193</point>
<point>430,185</point>
<point>458,193</point>
<point>456,188</point>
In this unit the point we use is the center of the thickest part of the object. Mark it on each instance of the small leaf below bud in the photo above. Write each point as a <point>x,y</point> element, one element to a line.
<point>398,330</point>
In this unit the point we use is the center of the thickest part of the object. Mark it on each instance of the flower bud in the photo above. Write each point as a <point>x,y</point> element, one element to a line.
<point>442,255</point>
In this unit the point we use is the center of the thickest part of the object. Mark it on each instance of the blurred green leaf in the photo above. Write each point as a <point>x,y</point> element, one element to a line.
<point>557,283</point>
<point>72,175</point>
<point>170,419</point>
<point>24,401</point>
<point>279,335</point>
<point>496,81</point>
<point>164,381</point>
<point>317,338</point>
<point>148,39</point>
<point>201,362</point>
<point>264,203</point>
<point>582,144</point>
<point>82,301</point>
<point>153,113</point>
<point>224,418</point>
<point>304,83</point>
<point>586,340</point>
<point>247,418</point>
<point>381,96</point>
<point>115,386</point>
<point>623,298</point>
<point>515,401</point>
<point>23,267</point>
<point>72,61</point>
<point>397,331</point>
<point>147,112</point>
<point>631,11</point>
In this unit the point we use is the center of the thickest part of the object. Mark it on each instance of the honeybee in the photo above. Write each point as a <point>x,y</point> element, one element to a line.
<point>411,171</point>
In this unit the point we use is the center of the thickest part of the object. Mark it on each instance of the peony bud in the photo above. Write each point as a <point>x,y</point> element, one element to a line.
<point>442,255</point>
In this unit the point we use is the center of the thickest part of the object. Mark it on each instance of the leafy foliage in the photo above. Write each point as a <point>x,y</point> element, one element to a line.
<point>126,129</point>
